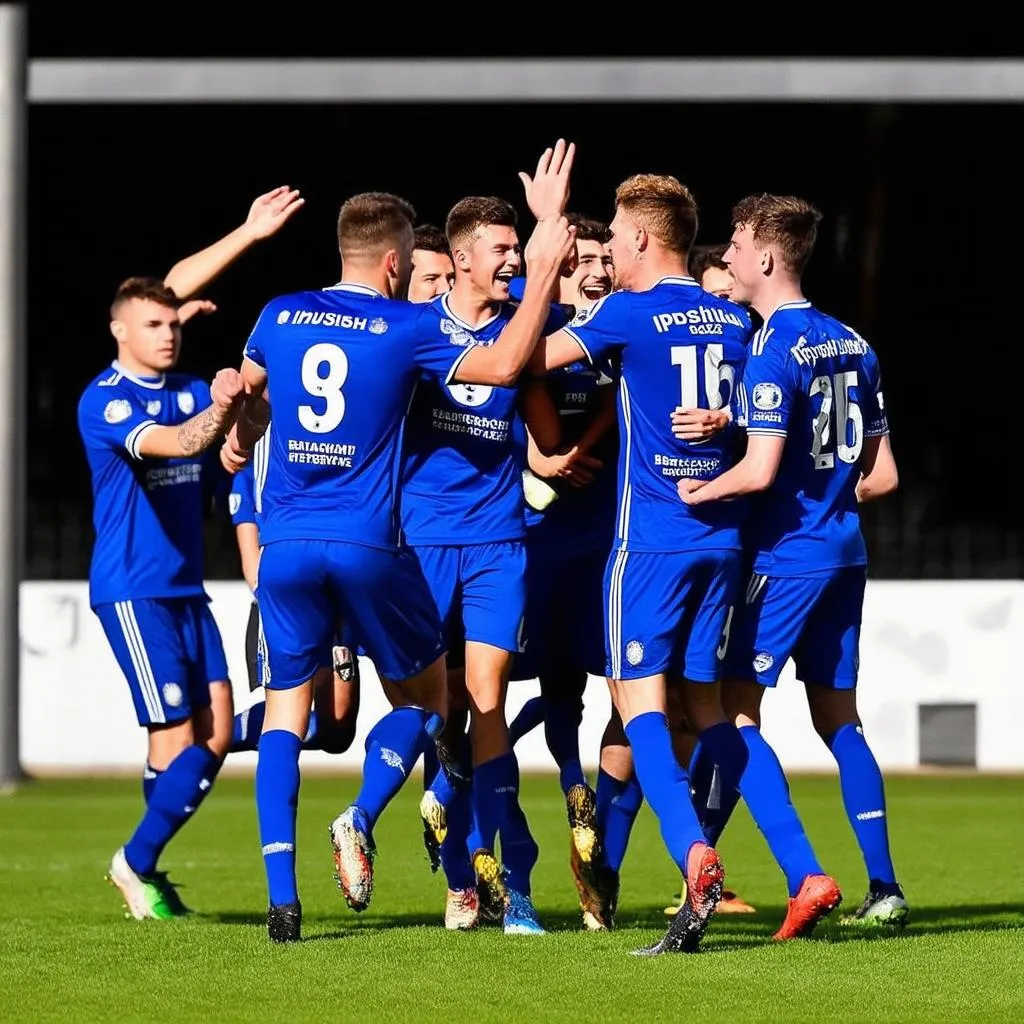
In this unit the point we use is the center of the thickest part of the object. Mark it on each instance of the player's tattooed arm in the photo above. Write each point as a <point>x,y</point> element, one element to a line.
<point>199,432</point>
<point>195,435</point>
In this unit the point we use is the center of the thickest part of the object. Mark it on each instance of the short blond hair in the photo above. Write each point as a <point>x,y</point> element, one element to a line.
<point>663,206</point>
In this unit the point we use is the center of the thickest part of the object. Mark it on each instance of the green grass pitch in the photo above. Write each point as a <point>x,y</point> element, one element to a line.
<point>68,954</point>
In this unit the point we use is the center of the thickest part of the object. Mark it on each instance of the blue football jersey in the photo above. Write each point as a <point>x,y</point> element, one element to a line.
<point>462,472</point>
<point>814,381</point>
<point>245,500</point>
<point>675,345</point>
<point>342,364</point>
<point>581,519</point>
<point>242,499</point>
<point>147,513</point>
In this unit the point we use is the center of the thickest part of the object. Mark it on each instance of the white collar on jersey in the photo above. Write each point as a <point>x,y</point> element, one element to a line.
<point>462,323</point>
<point>144,382</point>
<point>674,279</point>
<point>349,286</point>
<point>794,304</point>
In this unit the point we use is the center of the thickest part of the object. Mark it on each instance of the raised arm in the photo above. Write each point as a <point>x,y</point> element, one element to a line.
<point>501,364</point>
<point>199,432</point>
<point>549,253</point>
<point>267,215</point>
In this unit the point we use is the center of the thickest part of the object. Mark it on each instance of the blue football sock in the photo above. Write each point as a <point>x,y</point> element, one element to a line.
<point>248,727</point>
<point>446,786</point>
<point>455,862</point>
<point>277,800</point>
<point>563,714</point>
<point>864,799</point>
<point>393,748</point>
<point>766,792</point>
<point>664,784</point>
<point>531,714</point>
<point>150,775</point>
<point>177,793</point>
<point>618,804</point>
<point>495,793</point>
<point>310,740</point>
<point>431,766</point>
<point>716,767</point>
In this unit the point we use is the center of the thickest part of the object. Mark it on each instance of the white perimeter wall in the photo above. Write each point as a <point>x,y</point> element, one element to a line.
<point>923,642</point>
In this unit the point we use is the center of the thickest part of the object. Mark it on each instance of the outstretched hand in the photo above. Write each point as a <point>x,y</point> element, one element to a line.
<point>189,309</point>
<point>547,192</point>
<point>272,210</point>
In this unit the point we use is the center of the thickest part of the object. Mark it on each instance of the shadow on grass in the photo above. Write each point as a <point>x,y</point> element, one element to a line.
<point>726,933</point>
<point>741,931</point>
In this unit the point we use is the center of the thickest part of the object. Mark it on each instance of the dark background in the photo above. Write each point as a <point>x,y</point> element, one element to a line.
<point>919,248</point>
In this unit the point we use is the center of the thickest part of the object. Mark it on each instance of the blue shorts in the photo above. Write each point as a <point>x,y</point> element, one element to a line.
<point>667,612</point>
<point>815,620</point>
<point>169,650</point>
<point>564,614</point>
<point>484,585</point>
<point>306,587</point>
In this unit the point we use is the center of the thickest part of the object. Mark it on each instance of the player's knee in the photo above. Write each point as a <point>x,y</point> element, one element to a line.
<point>167,741</point>
<point>830,710</point>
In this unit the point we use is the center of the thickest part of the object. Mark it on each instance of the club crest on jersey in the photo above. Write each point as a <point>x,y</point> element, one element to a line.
<point>470,394</point>
<point>378,325</point>
<point>153,407</point>
<point>634,652</point>
<point>767,396</point>
<point>173,695</point>
<point>456,335</point>
<point>186,402</point>
<point>117,411</point>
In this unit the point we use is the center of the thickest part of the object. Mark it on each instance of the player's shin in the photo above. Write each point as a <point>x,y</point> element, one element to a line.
<point>530,715</point>
<point>178,791</point>
<point>665,784</point>
<point>454,851</point>
<point>766,792</point>
<point>864,800</point>
<point>277,787</point>
<point>277,799</point>
<point>563,714</point>
<point>618,803</point>
<point>717,765</point>
<point>393,747</point>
